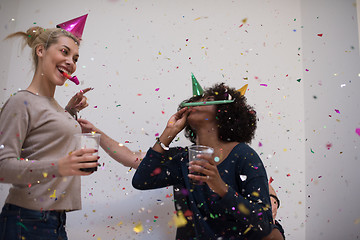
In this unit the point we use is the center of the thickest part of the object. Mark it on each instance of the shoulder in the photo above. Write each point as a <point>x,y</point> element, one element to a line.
<point>248,158</point>
<point>17,102</point>
<point>245,151</point>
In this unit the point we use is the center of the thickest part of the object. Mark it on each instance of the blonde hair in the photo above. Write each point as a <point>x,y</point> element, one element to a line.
<point>36,36</point>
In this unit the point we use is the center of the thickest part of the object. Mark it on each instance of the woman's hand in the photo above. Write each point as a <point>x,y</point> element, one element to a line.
<point>71,164</point>
<point>86,126</point>
<point>211,175</point>
<point>177,122</point>
<point>78,102</point>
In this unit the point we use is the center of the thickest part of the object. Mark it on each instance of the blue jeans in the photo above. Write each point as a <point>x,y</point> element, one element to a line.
<point>21,223</point>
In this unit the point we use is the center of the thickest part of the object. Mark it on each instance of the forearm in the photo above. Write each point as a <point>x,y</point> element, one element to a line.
<point>119,152</point>
<point>156,171</point>
<point>27,171</point>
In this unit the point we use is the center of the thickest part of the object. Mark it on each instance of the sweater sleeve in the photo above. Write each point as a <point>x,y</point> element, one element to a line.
<point>157,171</point>
<point>14,128</point>
<point>250,203</point>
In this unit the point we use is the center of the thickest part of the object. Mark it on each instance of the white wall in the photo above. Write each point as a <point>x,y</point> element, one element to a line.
<point>131,48</point>
<point>332,147</point>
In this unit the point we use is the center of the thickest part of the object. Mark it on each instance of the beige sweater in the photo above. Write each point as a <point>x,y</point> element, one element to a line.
<point>35,132</point>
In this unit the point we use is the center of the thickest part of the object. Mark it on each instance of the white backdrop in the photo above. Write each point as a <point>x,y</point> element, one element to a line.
<point>138,56</point>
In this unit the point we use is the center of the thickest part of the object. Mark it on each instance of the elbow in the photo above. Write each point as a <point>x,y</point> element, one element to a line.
<point>138,183</point>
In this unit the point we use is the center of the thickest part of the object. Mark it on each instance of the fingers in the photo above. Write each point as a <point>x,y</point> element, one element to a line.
<point>84,151</point>
<point>82,121</point>
<point>86,90</point>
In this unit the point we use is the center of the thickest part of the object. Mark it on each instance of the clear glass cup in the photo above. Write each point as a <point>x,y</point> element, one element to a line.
<point>195,150</point>
<point>88,140</point>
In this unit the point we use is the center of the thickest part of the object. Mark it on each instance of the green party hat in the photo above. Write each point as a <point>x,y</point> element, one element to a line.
<point>197,89</point>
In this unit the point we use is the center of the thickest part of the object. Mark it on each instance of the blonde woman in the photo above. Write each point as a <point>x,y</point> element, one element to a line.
<point>37,154</point>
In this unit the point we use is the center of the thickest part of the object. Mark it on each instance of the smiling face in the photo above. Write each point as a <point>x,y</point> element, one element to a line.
<point>58,58</point>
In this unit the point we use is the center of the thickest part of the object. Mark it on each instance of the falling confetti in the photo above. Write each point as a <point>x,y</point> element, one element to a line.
<point>138,228</point>
<point>243,209</point>
<point>357,131</point>
<point>243,177</point>
<point>263,85</point>
<point>336,110</point>
<point>156,171</point>
<point>53,195</point>
<point>328,146</point>
<point>179,219</point>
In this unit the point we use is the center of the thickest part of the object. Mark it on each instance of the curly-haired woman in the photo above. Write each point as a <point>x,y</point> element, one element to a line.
<point>233,202</point>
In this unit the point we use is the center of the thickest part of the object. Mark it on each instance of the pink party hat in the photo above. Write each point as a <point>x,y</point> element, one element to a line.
<point>75,26</point>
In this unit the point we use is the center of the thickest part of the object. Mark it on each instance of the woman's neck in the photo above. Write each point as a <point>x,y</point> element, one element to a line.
<point>41,86</point>
<point>209,137</point>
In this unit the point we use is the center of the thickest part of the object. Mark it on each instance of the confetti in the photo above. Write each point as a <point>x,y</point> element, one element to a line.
<point>243,209</point>
<point>243,177</point>
<point>53,195</point>
<point>263,85</point>
<point>138,228</point>
<point>357,131</point>
<point>156,171</point>
<point>22,225</point>
<point>320,34</point>
<point>328,146</point>
<point>2,146</point>
<point>271,180</point>
<point>255,194</point>
<point>216,159</point>
<point>179,219</point>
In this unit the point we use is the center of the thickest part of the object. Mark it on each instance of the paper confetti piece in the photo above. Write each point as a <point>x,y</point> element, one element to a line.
<point>243,177</point>
<point>138,228</point>
<point>357,131</point>
<point>22,225</point>
<point>242,208</point>
<point>179,220</point>
<point>2,146</point>
<point>320,34</point>
<point>255,194</point>
<point>336,110</point>
<point>263,85</point>
<point>156,171</point>
<point>53,195</point>
<point>248,229</point>
<point>271,180</point>
<point>45,174</point>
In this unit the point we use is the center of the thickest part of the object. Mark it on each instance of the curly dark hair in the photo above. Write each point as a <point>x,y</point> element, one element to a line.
<point>236,120</point>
